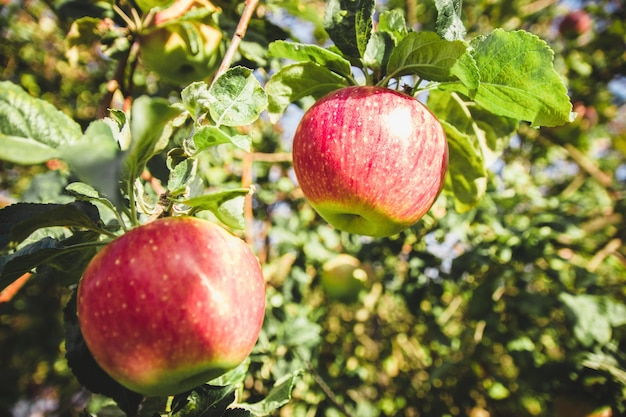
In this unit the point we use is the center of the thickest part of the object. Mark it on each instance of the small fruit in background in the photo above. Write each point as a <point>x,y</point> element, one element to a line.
<point>575,23</point>
<point>343,278</point>
<point>182,51</point>
<point>370,160</point>
<point>171,305</point>
<point>146,5</point>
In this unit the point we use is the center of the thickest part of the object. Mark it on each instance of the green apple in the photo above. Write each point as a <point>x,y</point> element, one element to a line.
<point>146,5</point>
<point>343,278</point>
<point>370,160</point>
<point>171,304</point>
<point>182,53</point>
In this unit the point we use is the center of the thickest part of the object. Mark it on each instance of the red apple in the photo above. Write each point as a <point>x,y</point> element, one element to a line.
<point>171,305</point>
<point>370,160</point>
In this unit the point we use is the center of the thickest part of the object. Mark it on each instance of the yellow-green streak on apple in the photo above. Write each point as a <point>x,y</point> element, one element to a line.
<point>370,160</point>
<point>171,305</point>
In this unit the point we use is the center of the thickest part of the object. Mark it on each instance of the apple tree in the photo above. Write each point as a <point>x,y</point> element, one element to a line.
<point>500,294</point>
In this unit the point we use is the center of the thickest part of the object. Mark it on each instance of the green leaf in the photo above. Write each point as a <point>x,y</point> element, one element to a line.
<point>86,192</point>
<point>182,172</point>
<point>66,261</point>
<point>426,55</point>
<point>97,160</point>
<point>300,52</point>
<point>449,24</point>
<point>393,23</point>
<point>148,119</point>
<point>518,79</point>
<point>31,129</point>
<point>226,205</point>
<point>208,136</point>
<point>19,220</point>
<point>296,81</point>
<point>466,179</point>
<point>234,376</point>
<point>378,50</point>
<point>203,399</point>
<point>349,25</point>
<point>236,98</point>
<point>588,314</point>
<point>279,395</point>
<point>195,98</point>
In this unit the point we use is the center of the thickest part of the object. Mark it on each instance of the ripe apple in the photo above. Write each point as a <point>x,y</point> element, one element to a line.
<point>343,278</point>
<point>370,160</point>
<point>171,305</point>
<point>168,50</point>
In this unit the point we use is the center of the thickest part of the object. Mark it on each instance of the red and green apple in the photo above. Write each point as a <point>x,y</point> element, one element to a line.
<point>370,160</point>
<point>171,304</point>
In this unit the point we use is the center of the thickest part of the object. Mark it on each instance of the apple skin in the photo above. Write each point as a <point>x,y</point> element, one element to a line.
<point>343,278</point>
<point>370,160</point>
<point>166,51</point>
<point>171,305</point>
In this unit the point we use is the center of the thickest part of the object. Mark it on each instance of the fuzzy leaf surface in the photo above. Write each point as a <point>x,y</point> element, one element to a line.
<point>31,129</point>
<point>518,79</point>
<point>236,98</point>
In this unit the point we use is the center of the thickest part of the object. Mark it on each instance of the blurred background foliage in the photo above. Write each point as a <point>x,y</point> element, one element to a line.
<point>514,308</point>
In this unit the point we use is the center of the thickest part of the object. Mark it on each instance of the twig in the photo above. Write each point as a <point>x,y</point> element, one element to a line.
<point>240,32</point>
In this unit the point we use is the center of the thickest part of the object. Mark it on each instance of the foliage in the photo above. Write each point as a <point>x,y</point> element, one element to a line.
<point>506,298</point>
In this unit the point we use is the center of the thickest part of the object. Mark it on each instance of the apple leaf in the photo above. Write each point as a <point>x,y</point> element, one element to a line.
<point>195,98</point>
<point>182,172</point>
<point>148,120</point>
<point>518,79</point>
<point>449,23</point>
<point>279,395</point>
<point>96,159</point>
<point>236,98</point>
<point>349,25</point>
<point>207,136</point>
<point>31,129</point>
<point>19,220</point>
<point>466,179</point>
<point>300,52</point>
<point>296,81</point>
<point>237,412</point>
<point>393,23</point>
<point>61,257</point>
<point>378,50</point>
<point>226,205</point>
<point>426,55</point>
<point>591,317</point>
<point>200,400</point>
<point>86,192</point>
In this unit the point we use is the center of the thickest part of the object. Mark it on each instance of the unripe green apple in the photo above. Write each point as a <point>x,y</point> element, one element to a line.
<point>343,278</point>
<point>171,305</point>
<point>170,52</point>
<point>146,5</point>
<point>370,160</point>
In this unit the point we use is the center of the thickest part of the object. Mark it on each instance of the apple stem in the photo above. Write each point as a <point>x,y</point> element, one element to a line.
<point>240,32</point>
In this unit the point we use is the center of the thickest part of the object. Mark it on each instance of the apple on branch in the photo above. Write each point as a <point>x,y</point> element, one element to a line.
<point>171,305</point>
<point>182,51</point>
<point>370,160</point>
